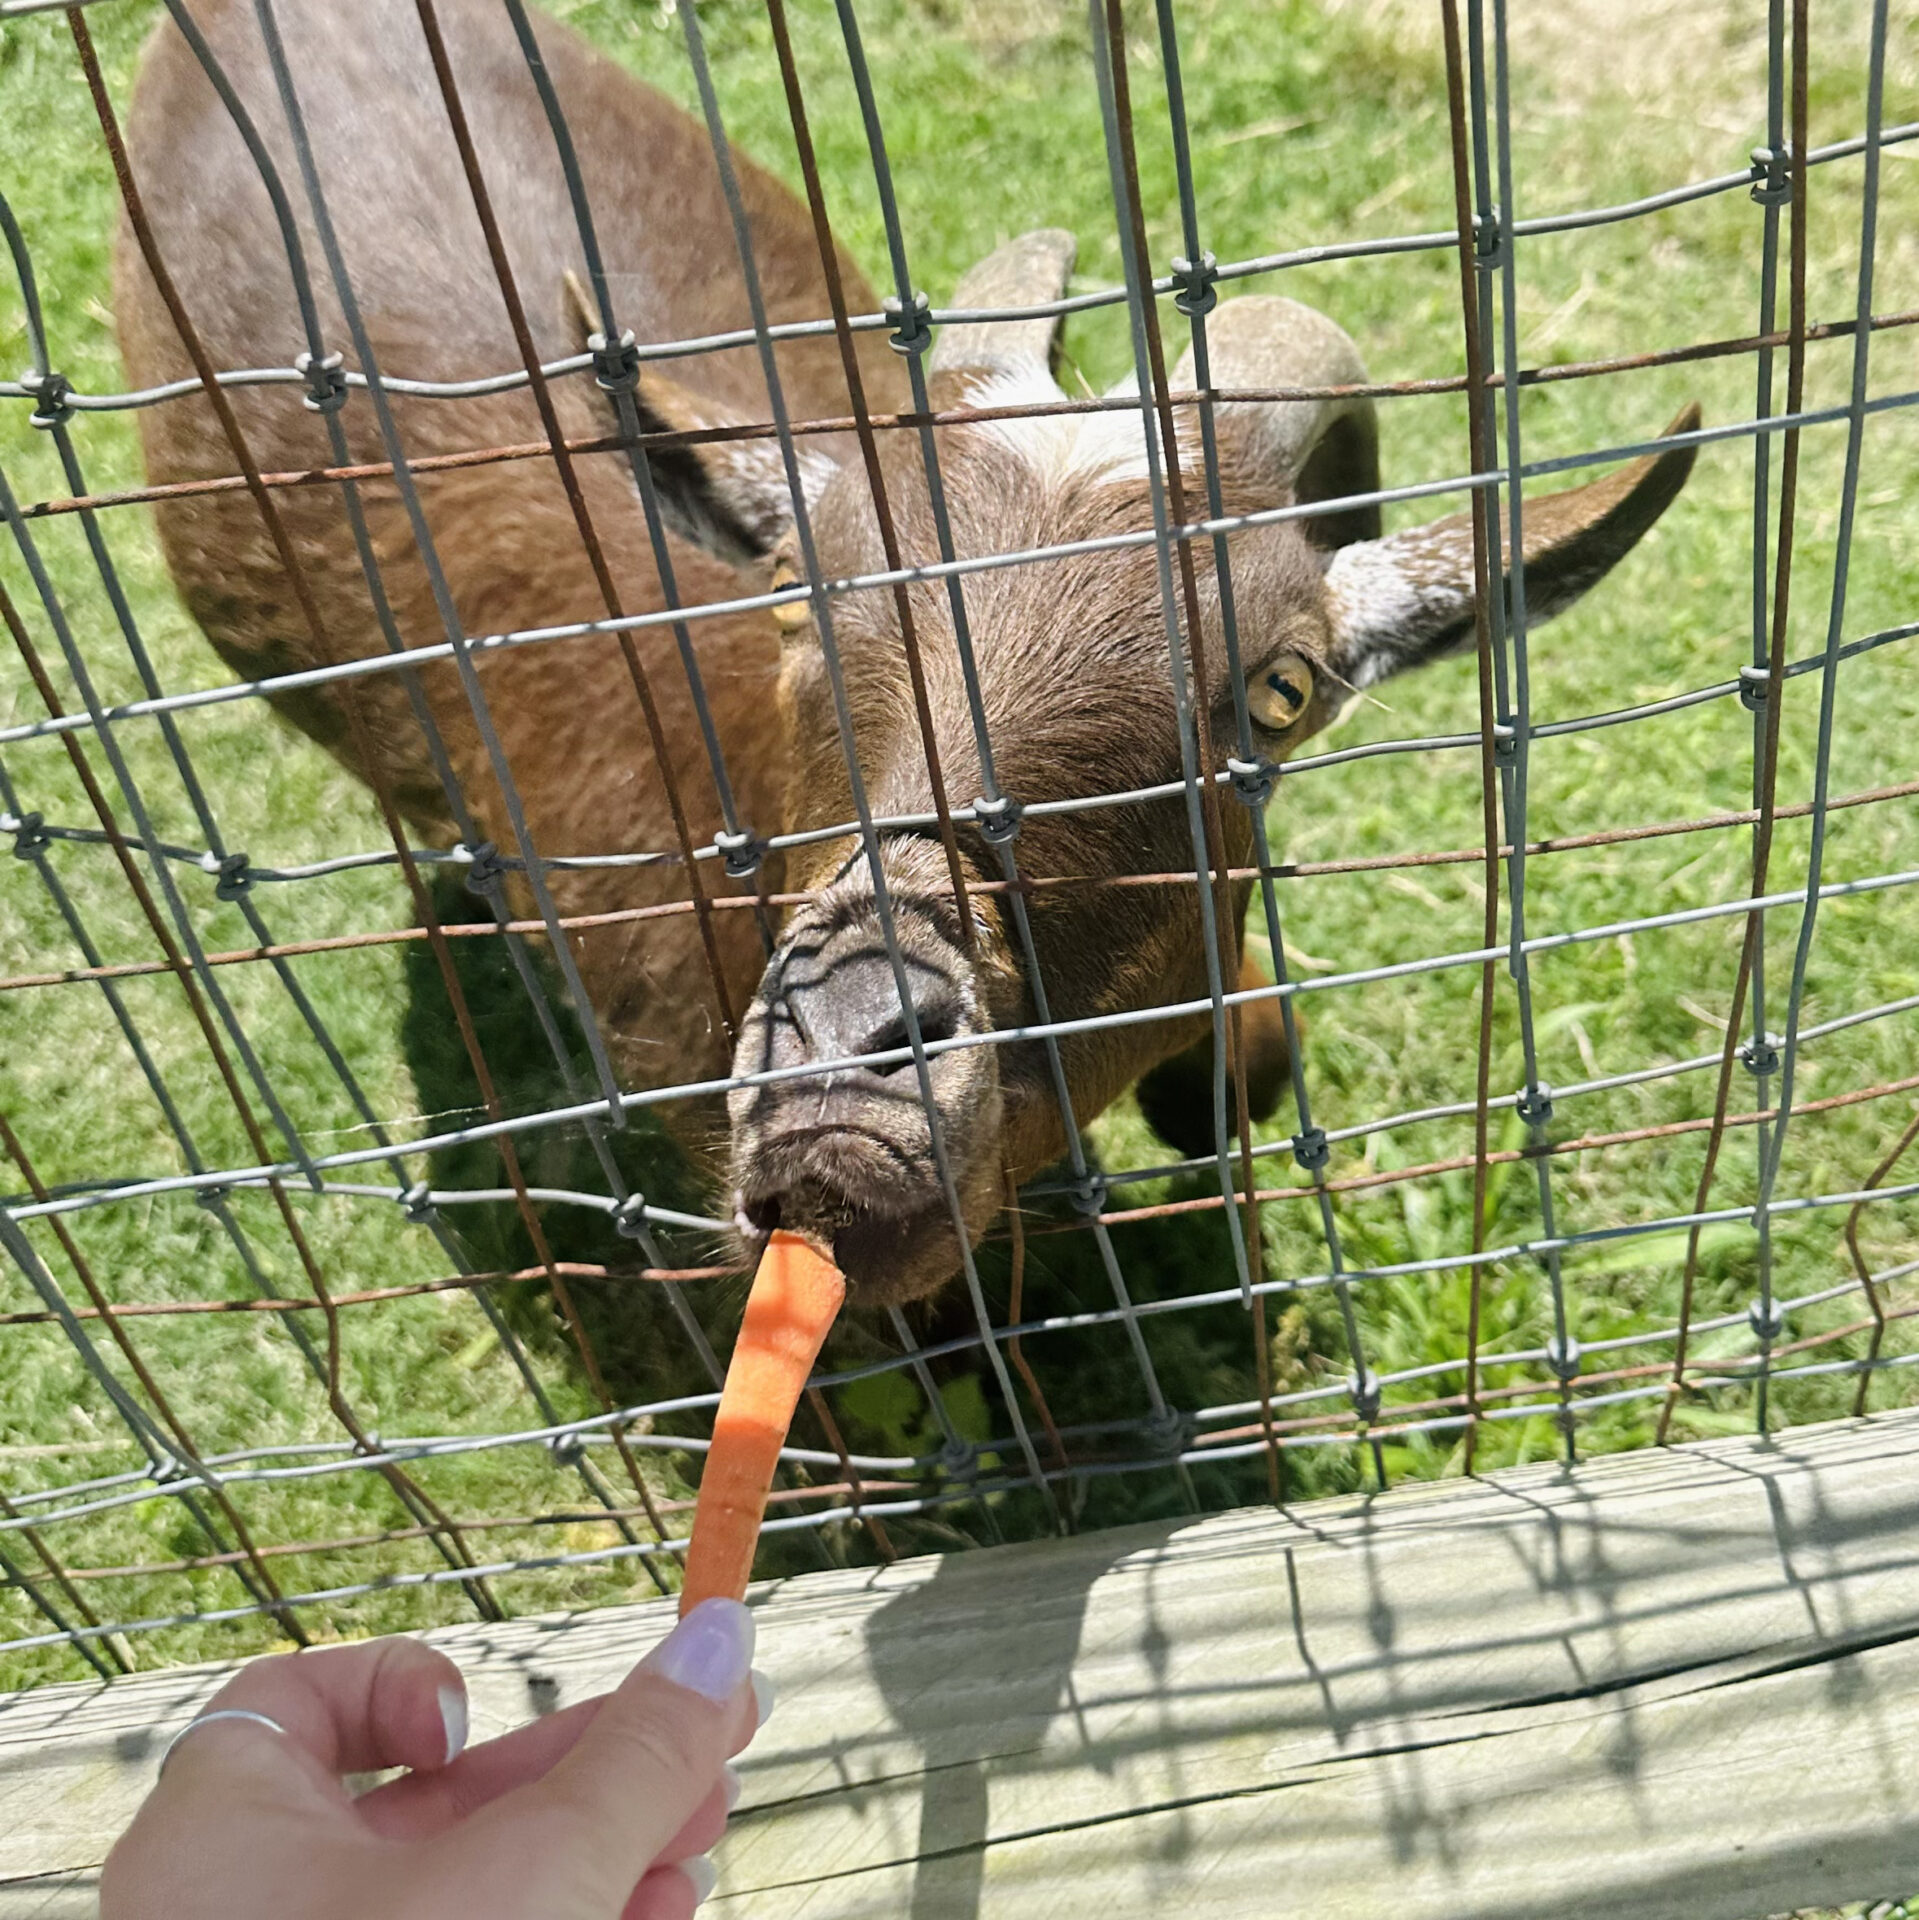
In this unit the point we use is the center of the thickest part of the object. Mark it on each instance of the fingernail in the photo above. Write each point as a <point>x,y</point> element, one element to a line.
<point>704,1875</point>
<point>453,1718</point>
<point>709,1652</point>
<point>731,1781</point>
<point>766,1697</point>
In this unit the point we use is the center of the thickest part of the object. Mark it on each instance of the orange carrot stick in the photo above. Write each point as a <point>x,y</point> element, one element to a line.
<point>795,1295</point>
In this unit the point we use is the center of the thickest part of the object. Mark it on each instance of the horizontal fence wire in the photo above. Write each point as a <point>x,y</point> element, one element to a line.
<point>570,1485</point>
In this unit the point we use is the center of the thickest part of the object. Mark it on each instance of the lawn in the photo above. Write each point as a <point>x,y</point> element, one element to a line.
<point>1312,123</point>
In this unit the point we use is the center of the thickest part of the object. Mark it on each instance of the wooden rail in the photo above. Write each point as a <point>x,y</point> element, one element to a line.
<point>1681,1683</point>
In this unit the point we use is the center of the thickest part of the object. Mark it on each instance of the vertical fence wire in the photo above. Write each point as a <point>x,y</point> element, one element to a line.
<point>1771,194</point>
<point>1185,649</point>
<point>476,698</point>
<point>617,384</point>
<point>194,790</point>
<point>423,541</point>
<point>1772,688</point>
<point>869,840</point>
<point>995,807</point>
<point>191,982</point>
<point>1508,617</point>
<point>1767,1323</point>
<point>1477,424</point>
<point>317,358</point>
<point>913,341</point>
<point>483,880</point>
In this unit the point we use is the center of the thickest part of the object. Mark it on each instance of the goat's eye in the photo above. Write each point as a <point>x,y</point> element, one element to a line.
<point>1279,693</point>
<point>790,614</point>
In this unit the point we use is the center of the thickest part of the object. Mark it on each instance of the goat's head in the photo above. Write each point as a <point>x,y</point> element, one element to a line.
<point>1076,692</point>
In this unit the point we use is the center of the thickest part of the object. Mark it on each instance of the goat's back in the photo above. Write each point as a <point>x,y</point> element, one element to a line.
<point>505,534</point>
<point>403,211</point>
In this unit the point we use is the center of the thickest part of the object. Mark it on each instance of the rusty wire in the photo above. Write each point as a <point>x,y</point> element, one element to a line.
<point>906,420</point>
<point>1277,870</point>
<point>1767,755</point>
<point>296,576</point>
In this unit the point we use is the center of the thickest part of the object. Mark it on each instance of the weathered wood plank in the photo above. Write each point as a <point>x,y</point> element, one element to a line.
<point>1681,1683</point>
<point>52,1896</point>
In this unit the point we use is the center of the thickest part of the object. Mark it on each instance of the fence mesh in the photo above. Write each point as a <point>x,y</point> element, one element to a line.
<point>278,1362</point>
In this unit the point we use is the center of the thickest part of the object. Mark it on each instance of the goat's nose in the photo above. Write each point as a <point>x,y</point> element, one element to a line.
<point>853,1007</point>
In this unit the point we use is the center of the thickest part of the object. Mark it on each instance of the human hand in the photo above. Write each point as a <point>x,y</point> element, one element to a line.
<point>601,1812</point>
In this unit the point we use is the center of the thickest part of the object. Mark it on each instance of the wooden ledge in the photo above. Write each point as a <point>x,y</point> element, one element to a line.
<point>1679,1683</point>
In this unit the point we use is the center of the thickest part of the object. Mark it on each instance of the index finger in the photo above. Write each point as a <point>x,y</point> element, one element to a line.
<point>642,1765</point>
<point>419,1805</point>
<point>384,1703</point>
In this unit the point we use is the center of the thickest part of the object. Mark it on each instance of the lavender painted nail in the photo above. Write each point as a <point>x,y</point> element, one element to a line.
<point>710,1652</point>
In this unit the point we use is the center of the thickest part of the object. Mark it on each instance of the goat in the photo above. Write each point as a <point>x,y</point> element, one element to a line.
<point>1071,653</point>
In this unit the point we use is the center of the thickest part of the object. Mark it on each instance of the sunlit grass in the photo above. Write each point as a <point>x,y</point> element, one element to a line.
<point>1310,124</point>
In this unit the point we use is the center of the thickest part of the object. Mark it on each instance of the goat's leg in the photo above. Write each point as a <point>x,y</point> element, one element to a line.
<point>1176,1096</point>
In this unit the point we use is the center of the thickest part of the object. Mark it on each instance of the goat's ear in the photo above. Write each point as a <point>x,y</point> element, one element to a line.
<point>1403,600</point>
<point>729,496</point>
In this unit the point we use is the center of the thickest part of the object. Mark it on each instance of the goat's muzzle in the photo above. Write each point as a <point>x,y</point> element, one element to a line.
<point>847,1155</point>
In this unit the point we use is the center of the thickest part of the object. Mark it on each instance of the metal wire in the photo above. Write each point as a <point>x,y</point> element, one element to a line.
<point>1456,1400</point>
<point>579,363</point>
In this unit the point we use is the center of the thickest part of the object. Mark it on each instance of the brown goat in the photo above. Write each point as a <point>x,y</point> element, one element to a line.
<point>1071,652</point>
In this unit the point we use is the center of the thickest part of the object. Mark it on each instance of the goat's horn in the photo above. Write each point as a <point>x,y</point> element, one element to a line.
<point>1264,340</point>
<point>1024,273</point>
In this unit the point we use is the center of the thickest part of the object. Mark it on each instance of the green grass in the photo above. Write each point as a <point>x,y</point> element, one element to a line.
<point>1312,123</point>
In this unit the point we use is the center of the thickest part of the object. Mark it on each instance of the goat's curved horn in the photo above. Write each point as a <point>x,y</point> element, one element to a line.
<point>1026,272</point>
<point>1409,598</point>
<point>1320,449</point>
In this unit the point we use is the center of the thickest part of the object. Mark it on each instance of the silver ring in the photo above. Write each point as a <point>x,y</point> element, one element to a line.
<point>207,1720</point>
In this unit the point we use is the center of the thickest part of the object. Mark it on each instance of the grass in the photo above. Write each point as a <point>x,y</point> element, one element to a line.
<point>1312,123</point>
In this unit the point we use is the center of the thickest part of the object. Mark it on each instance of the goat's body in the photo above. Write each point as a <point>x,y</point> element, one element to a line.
<point>1069,660</point>
<point>566,713</point>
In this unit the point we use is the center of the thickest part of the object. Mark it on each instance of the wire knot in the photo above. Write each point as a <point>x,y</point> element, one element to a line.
<point>417,1204</point>
<point>1563,1357</point>
<point>1310,1148</point>
<point>912,331</point>
<point>1772,175</point>
<point>1488,244</point>
<point>1166,1432</point>
<point>615,368</point>
<point>50,391</point>
<point>1767,1322</point>
<point>1536,1105</point>
<point>1194,288</point>
<point>1253,780</point>
<point>485,870</point>
<point>1366,1393</point>
<point>1089,1196</point>
<point>1760,1055</point>
<point>326,382</point>
<point>741,852</point>
<point>568,1449</point>
<point>959,1459</point>
<point>998,819</point>
<point>30,836</point>
<point>629,1217</point>
<point>235,876</point>
<point>1755,687</point>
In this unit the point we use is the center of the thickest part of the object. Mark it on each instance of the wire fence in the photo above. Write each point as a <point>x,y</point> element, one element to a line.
<point>602,1474</point>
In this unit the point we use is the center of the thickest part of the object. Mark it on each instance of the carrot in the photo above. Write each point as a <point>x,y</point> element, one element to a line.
<point>794,1297</point>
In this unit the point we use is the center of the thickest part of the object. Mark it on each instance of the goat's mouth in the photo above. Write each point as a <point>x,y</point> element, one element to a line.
<point>889,1253</point>
<point>877,1161</point>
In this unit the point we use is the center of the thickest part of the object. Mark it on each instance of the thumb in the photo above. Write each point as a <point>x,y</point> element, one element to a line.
<point>651,1755</point>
